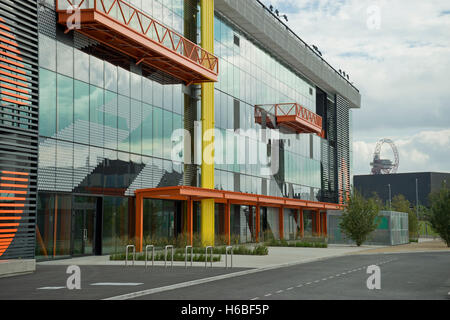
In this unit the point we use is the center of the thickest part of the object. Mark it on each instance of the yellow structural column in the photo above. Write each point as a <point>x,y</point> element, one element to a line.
<point>207,206</point>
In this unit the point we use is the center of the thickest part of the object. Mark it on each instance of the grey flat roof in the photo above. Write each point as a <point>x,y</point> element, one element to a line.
<point>255,20</point>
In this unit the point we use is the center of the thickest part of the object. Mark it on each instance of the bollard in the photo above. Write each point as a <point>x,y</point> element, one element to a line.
<point>153,255</point>
<point>230,249</point>
<point>206,257</point>
<point>165,262</point>
<point>126,254</point>
<point>192,256</point>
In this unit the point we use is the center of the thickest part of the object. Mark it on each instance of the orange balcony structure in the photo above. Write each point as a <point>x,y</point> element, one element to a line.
<point>290,115</point>
<point>122,27</point>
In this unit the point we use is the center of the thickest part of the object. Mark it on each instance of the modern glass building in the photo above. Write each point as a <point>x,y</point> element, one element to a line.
<point>105,111</point>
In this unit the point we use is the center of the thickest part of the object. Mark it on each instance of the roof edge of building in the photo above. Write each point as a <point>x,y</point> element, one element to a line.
<point>254,19</point>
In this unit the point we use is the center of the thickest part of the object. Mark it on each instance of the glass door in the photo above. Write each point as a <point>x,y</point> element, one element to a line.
<point>83,226</point>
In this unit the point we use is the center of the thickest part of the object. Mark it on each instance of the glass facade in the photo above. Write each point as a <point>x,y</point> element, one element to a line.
<point>249,76</point>
<point>106,131</point>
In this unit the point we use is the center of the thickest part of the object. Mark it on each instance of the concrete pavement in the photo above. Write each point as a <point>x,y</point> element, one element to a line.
<point>278,256</point>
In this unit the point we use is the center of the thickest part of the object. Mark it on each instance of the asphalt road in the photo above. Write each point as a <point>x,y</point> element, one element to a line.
<point>97,282</point>
<point>403,276</point>
<point>424,276</point>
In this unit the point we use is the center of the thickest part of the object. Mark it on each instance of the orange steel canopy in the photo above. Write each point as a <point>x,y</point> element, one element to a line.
<point>124,28</point>
<point>184,193</point>
<point>290,115</point>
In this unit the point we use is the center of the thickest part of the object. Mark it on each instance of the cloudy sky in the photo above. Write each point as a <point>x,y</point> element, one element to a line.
<point>397,53</point>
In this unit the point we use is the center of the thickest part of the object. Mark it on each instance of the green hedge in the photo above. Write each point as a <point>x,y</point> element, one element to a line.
<point>259,250</point>
<point>298,244</point>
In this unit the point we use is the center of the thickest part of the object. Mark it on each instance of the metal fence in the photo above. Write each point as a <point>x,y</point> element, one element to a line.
<point>393,229</point>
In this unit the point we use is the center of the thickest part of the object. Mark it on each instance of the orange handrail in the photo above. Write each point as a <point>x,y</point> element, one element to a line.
<point>290,109</point>
<point>147,26</point>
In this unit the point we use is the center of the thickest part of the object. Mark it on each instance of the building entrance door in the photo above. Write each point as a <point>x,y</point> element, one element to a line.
<point>84,226</point>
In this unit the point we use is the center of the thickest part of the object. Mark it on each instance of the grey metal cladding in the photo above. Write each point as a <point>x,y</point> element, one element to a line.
<point>19,99</point>
<point>253,19</point>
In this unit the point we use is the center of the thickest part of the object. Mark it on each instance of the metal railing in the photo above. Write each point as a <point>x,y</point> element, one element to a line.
<point>290,109</point>
<point>165,255</point>
<point>206,256</point>
<point>186,254</point>
<point>153,255</point>
<point>146,25</point>
<point>228,249</point>
<point>126,254</point>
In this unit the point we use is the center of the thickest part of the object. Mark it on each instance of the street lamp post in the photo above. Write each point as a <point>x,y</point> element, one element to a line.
<point>417,207</point>
<point>390,197</point>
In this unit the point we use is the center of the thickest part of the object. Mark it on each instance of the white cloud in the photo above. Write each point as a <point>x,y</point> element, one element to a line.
<point>422,152</point>
<point>402,70</point>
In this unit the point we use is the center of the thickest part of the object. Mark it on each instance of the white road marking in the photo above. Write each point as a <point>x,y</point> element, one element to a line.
<point>279,291</point>
<point>268,295</point>
<point>288,289</point>
<point>51,288</point>
<point>300,285</point>
<point>338,275</point>
<point>116,284</point>
<point>324,279</point>
<point>316,281</point>
<point>330,277</point>
<point>255,298</point>
<point>309,283</point>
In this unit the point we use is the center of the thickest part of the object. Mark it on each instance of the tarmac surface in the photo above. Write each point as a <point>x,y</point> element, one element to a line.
<point>335,273</point>
<point>411,276</point>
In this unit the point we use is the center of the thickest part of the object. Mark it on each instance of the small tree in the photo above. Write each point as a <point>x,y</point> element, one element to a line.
<point>401,204</point>
<point>440,213</point>
<point>360,218</point>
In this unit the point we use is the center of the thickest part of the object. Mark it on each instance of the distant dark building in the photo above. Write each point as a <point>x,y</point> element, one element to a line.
<point>403,183</point>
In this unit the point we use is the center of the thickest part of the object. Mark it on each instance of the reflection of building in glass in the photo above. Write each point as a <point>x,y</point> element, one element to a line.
<point>106,121</point>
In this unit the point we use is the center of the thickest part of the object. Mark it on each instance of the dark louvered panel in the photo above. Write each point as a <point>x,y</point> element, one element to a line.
<point>329,156</point>
<point>18,128</point>
<point>343,147</point>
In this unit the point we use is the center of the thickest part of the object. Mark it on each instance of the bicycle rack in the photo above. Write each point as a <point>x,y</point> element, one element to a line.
<point>185,256</point>
<point>126,254</point>
<point>228,249</point>
<point>153,255</point>
<point>206,256</point>
<point>165,262</point>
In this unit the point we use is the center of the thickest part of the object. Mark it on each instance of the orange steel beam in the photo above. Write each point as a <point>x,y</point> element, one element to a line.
<point>318,223</point>
<point>144,39</point>
<point>139,223</point>
<point>236,197</point>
